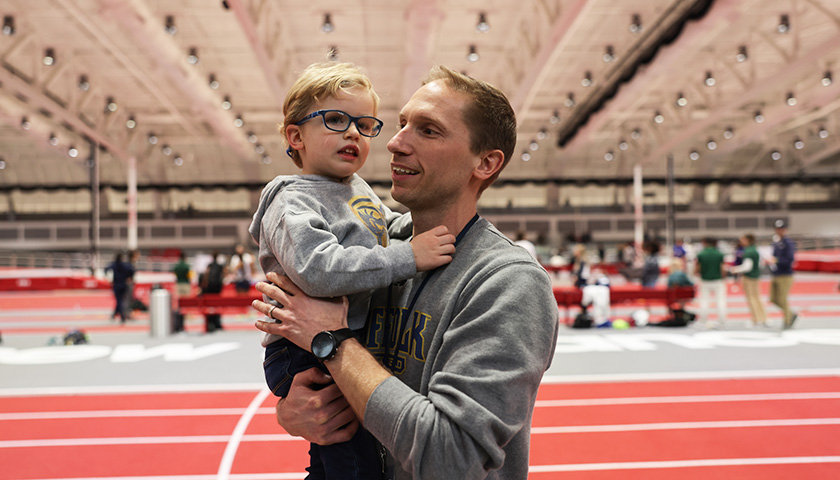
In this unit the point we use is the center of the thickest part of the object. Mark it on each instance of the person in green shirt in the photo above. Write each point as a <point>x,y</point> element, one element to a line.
<point>751,271</point>
<point>182,273</point>
<point>711,269</point>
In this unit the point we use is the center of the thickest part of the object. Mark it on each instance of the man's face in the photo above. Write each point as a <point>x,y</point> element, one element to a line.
<point>431,162</point>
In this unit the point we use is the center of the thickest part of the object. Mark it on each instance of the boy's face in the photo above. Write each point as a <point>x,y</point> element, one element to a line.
<point>328,153</point>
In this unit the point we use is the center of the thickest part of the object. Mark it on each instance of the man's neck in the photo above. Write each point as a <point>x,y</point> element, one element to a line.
<point>454,220</point>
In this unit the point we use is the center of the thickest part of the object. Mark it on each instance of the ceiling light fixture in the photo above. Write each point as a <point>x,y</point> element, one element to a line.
<point>266,160</point>
<point>526,155</point>
<point>694,155</point>
<point>110,105</point>
<point>587,79</point>
<point>178,160</point>
<point>53,139</point>
<point>327,26</point>
<point>681,100</point>
<point>2,164</point>
<point>238,121</point>
<point>192,57</point>
<point>742,56</point>
<point>623,145</point>
<point>542,134</point>
<point>166,150</point>
<point>570,100</point>
<point>72,152</point>
<point>784,24</point>
<point>169,25</point>
<point>482,25</point>
<point>8,25</point>
<point>791,99</point>
<point>826,80</point>
<point>823,133</point>
<point>226,103</point>
<point>153,139</point>
<point>609,156</point>
<point>49,57</point>
<point>636,134</point>
<point>636,23</point>
<point>84,84</point>
<point>798,143</point>
<point>710,79</point>
<point>24,123</point>
<point>609,54</point>
<point>130,123</point>
<point>758,117</point>
<point>332,53</point>
<point>658,117</point>
<point>776,155</point>
<point>555,117</point>
<point>259,149</point>
<point>728,133</point>
<point>212,82</point>
<point>534,145</point>
<point>711,144</point>
<point>472,55</point>
<point>252,137</point>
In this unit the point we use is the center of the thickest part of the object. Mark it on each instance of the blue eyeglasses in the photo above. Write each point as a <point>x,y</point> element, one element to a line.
<point>339,121</point>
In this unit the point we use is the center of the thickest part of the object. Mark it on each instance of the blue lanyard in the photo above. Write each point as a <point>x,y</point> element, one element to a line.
<point>387,320</point>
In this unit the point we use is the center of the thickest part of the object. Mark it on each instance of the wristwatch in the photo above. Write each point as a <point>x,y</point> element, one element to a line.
<point>325,344</point>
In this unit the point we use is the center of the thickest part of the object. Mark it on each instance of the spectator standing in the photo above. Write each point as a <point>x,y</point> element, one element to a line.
<point>711,269</point>
<point>580,267</point>
<point>781,266</point>
<point>242,268</point>
<point>122,272</point>
<point>183,272</point>
<point>212,282</point>
<point>751,271</point>
<point>650,269</point>
<point>523,242</point>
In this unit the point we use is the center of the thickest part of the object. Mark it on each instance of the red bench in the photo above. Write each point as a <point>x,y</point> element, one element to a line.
<point>568,296</point>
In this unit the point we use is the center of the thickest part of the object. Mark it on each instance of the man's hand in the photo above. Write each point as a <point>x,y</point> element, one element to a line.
<point>319,416</point>
<point>301,317</point>
<point>433,248</point>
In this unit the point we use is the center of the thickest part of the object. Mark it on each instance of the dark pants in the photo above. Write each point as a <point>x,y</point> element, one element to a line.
<point>121,308</point>
<point>356,459</point>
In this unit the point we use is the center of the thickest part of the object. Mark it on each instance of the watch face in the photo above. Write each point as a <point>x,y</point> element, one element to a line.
<point>323,346</point>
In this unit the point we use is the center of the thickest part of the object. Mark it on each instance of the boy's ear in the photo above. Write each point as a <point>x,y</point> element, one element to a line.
<point>490,163</point>
<point>294,137</point>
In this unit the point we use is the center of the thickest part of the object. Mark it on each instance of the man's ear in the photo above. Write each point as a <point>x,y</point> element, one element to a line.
<point>490,164</point>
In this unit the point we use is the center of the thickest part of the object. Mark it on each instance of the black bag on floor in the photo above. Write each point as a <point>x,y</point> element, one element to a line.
<point>583,320</point>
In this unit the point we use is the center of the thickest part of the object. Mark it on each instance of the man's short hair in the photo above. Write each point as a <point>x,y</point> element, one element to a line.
<point>489,115</point>
<point>319,81</point>
<point>750,238</point>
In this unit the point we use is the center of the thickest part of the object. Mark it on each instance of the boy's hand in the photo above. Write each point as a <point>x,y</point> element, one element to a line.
<point>433,248</point>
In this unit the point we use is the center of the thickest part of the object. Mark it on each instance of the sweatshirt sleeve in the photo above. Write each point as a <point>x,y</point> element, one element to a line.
<point>315,260</point>
<point>483,389</point>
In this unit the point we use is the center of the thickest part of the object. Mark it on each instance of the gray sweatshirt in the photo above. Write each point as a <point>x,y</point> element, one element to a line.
<point>468,362</point>
<point>330,238</point>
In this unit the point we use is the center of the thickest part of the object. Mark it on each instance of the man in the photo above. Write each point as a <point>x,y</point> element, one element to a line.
<point>781,266</point>
<point>712,270</point>
<point>752,271</point>
<point>464,354</point>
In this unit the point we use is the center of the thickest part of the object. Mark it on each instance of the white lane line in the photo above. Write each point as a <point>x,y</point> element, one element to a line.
<point>85,442</point>
<point>723,374</point>
<point>235,476</point>
<point>638,427</point>
<point>711,462</point>
<point>169,412</point>
<point>128,389</point>
<point>239,432</point>
<point>757,397</point>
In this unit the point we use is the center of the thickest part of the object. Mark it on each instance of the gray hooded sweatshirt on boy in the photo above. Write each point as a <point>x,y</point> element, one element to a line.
<point>329,237</point>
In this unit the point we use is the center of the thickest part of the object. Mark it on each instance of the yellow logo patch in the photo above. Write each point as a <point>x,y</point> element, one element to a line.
<point>370,215</point>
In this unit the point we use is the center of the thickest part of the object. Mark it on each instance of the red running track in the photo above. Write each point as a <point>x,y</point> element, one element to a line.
<point>729,429</point>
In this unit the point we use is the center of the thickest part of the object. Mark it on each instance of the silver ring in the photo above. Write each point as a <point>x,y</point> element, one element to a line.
<point>271,310</point>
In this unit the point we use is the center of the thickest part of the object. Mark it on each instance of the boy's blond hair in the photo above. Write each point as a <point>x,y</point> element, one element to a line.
<point>319,81</point>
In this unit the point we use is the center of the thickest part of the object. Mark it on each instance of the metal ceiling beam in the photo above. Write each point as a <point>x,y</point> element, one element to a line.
<point>562,32</point>
<point>144,29</point>
<point>785,76</point>
<point>249,28</point>
<point>632,95</point>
